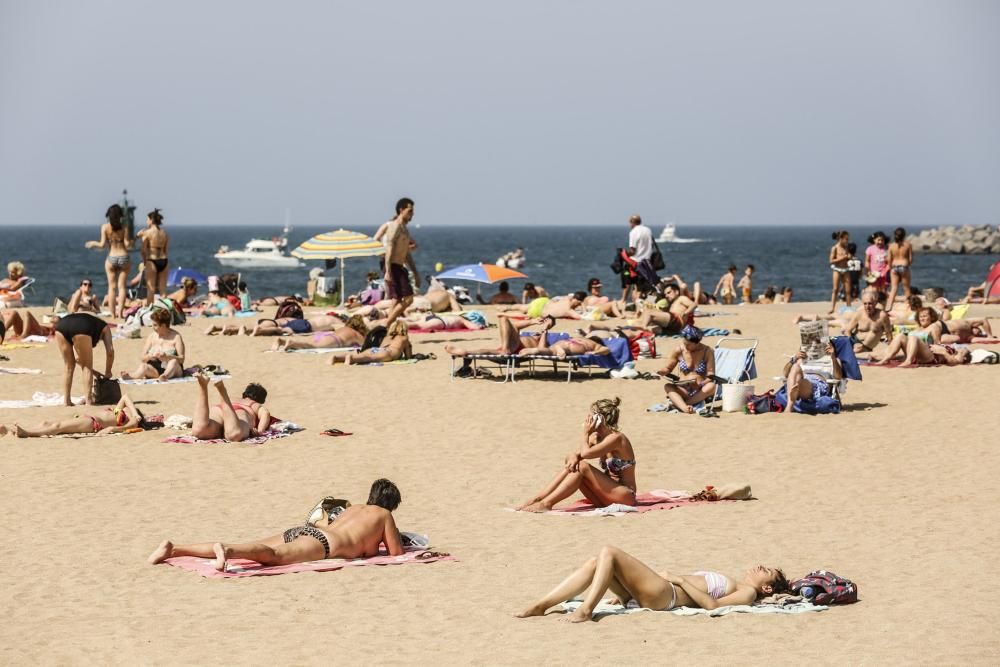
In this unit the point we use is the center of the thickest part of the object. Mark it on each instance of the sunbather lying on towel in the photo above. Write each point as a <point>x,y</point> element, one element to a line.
<point>967,330</point>
<point>918,351</point>
<point>513,337</point>
<point>233,420</point>
<point>559,307</point>
<point>472,320</point>
<point>568,346</point>
<point>804,379</point>
<point>21,324</point>
<point>695,363</point>
<point>631,579</point>
<point>395,346</point>
<point>345,334</point>
<point>123,417</point>
<point>613,482</point>
<point>357,533</point>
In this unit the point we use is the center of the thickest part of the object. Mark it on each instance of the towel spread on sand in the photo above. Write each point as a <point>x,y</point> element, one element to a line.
<point>248,568</point>
<point>895,363</point>
<point>39,399</point>
<point>186,378</point>
<point>645,502</point>
<point>605,608</point>
<point>325,350</point>
<point>19,346</point>
<point>19,371</point>
<point>278,430</point>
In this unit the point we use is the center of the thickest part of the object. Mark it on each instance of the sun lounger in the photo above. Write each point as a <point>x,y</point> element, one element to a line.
<point>618,356</point>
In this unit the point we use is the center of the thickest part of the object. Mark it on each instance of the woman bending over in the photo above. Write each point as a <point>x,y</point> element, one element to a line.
<point>628,578</point>
<point>613,482</point>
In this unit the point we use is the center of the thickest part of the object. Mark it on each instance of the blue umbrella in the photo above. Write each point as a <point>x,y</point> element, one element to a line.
<point>481,273</point>
<point>176,276</point>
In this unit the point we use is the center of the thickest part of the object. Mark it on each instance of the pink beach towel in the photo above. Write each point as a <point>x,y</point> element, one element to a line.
<point>645,502</point>
<point>277,430</point>
<point>239,567</point>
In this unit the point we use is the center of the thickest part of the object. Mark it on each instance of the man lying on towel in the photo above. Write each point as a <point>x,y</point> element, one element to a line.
<point>358,532</point>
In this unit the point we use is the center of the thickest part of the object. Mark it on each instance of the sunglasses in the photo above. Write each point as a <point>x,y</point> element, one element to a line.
<point>85,284</point>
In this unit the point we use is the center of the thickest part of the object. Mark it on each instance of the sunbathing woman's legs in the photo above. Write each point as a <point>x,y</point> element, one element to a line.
<point>796,386</point>
<point>202,425</point>
<point>268,551</point>
<point>626,576</point>
<point>896,346</point>
<point>66,426</point>
<point>234,428</point>
<point>917,352</point>
<point>594,484</point>
<point>677,394</point>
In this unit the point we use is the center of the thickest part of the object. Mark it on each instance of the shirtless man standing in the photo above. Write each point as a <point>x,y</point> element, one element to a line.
<point>868,325</point>
<point>397,258</point>
<point>356,533</point>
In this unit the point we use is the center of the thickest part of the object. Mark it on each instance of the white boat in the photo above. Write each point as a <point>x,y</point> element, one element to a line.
<point>261,254</point>
<point>515,259</point>
<point>669,235</point>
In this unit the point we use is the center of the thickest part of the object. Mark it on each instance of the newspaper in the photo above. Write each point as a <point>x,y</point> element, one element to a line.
<point>814,338</point>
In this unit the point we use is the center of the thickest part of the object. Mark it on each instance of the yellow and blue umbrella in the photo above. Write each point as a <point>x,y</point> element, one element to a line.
<point>340,244</point>
<point>481,273</point>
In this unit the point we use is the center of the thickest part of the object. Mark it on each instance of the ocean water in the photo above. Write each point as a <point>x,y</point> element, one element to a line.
<point>560,258</point>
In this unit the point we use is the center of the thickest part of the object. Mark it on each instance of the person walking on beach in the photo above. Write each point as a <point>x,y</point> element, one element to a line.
<point>155,243</point>
<point>640,250</point>
<point>746,284</point>
<point>900,261</point>
<point>114,236</point>
<point>839,258</point>
<point>397,258</point>
<point>725,289</point>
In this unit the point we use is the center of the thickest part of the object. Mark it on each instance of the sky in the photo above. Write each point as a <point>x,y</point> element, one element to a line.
<point>572,112</point>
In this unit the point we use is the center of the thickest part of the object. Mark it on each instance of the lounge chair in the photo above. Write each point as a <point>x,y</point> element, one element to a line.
<point>510,363</point>
<point>735,361</point>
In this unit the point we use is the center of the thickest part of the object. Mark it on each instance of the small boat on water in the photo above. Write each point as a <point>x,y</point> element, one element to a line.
<point>669,235</point>
<point>514,259</point>
<point>261,254</point>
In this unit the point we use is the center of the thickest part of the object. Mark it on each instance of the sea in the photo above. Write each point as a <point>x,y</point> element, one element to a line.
<point>560,258</point>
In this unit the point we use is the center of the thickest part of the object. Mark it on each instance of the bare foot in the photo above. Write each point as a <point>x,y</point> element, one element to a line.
<point>243,331</point>
<point>161,553</point>
<point>451,349</point>
<point>276,346</point>
<point>689,409</point>
<point>202,379</point>
<point>19,432</point>
<point>533,610</point>
<point>220,556</point>
<point>581,615</point>
<point>347,359</point>
<point>536,508</point>
<point>212,330</point>
<point>798,318</point>
<point>3,430</point>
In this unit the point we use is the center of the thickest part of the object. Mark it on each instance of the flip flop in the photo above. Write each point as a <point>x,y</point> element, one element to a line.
<point>426,555</point>
<point>334,432</point>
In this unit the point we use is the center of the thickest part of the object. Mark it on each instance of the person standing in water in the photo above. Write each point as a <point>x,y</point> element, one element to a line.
<point>839,258</point>
<point>114,236</point>
<point>397,259</point>
<point>900,261</point>
<point>155,243</point>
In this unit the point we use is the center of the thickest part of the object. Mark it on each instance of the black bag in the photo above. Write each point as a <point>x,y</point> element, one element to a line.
<point>289,308</point>
<point>374,337</point>
<point>656,259</point>
<point>107,391</point>
<point>618,265</point>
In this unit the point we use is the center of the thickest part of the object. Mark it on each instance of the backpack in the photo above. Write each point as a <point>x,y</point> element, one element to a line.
<point>759,404</point>
<point>827,588</point>
<point>374,337</point>
<point>289,308</point>
<point>643,345</point>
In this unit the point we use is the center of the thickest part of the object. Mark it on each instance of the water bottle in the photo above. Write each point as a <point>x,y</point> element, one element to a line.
<point>808,592</point>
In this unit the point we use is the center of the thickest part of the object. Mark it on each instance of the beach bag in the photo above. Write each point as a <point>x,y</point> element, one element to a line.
<point>371,296</point>
<point>618,266</point>
<point>289,308</point>
<point>758,405</point>
<point>374,337</point>
<point>643,345</point>
<point>106,390</point>
<point>656,259</point>
<point>827,588</point>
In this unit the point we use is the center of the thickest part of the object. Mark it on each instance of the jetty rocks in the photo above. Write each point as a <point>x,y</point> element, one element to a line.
<point>953,240</point>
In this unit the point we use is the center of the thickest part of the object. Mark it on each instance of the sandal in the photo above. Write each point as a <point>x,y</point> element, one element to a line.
<point>335,432</point>
<point>427,555</point>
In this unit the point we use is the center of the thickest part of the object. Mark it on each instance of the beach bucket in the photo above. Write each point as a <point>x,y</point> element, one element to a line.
<point>735,396</point>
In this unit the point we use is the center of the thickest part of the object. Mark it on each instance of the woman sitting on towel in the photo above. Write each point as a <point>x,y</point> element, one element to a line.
<point>233,420</point>
<point>695,362</point>
<point>341,334</point>
<point>163,354</point>
<point>613,482</point>
<point>395,346</point>
<point>630,579</point>
<point>123,417</point>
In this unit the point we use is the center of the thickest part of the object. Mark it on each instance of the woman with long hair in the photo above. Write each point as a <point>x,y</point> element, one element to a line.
<point>114,236</point>
<point>155,244</point>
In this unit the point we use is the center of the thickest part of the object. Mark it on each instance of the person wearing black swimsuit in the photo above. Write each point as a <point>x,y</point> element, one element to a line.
<point>155,244</point>
<point>77,335</point>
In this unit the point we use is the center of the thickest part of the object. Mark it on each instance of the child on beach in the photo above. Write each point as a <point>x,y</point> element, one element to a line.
<point>900,260</point>
<point>746,284</point>
<point>839,257</point>
<point>725,290</point>
<point>877,262</point>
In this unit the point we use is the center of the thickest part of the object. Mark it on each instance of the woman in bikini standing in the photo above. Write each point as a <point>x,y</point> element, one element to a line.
<point>613,482</point>
<point>631,579</point>
<point>900,261</point>
<point>839,257</point>
<point>696,363</point>
<point>163,354</point>
<point>114,236</point>
<point>155,244</point>
<point>233,420</point>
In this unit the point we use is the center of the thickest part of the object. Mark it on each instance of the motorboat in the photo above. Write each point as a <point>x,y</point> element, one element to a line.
<point>514,259</point>
<point>261,254</point>
<point>669,235</point>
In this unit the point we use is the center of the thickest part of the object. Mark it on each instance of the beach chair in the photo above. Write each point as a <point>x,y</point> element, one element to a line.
<point>619,355</point>
<point>735,361</point>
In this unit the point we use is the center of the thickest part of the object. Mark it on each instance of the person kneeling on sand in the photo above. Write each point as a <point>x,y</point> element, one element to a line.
<point>631,579</point>
<point>356,533</point>
<point>613,482</point>
<point>233,420</point>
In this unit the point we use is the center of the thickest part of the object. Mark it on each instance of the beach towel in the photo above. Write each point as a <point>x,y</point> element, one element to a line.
<point>325,350</point>
<point>39,399</point>
<point>619,356</point>
<point>186,378</point>
<point>19,346</point>
<point>19,371</point>
<point>705,331</point>
<point>248,568</point>
<point>605,608</point>
<point>645,502</point>
<point>278,430</point>
<point>895,363</point>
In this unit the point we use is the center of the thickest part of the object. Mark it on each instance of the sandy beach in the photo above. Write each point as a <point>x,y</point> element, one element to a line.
<point>897,493</point>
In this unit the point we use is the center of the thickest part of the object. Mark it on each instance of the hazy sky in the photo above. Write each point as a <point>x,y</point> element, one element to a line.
<point>576,112</point>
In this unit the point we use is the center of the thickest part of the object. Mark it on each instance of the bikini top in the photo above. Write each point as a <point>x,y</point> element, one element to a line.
<point>700,369</point>
<point>615,466</point>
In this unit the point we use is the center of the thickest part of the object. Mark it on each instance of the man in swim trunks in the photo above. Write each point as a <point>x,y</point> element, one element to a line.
<point>397,258</point>
<point>358,532</point>
<point>869,324</point>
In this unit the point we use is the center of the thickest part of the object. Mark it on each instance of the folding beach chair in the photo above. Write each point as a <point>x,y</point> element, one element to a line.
<point>735,361</point>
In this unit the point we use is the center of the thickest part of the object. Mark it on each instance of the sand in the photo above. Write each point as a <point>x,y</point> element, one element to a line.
<point>898,493</point>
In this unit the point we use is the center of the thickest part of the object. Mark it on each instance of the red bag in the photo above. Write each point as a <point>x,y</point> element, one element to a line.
<point>643,345</point>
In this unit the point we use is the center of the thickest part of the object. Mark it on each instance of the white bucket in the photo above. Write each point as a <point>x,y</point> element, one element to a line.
<point>735,396</point>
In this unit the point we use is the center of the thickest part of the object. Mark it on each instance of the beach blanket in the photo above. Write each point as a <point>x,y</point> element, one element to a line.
<point>19,371</point>
<point>248,568</point>
<point>186,378</point>
<point>645,502</point>
<point>605,608</point>
<point>705,331</point>
<point>39,399</point>
<point>325,350</point>
<point>277,430</point>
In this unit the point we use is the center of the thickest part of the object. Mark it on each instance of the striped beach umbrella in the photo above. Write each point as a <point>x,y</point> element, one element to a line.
<point>340,244</point>
<point>481,273</point>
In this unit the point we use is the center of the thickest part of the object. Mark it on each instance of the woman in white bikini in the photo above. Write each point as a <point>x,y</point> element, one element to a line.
<point>614,482</point>
<point>839,256</point>
<point>114,236</point>
<point>163,354</point>
<point>631,579</point>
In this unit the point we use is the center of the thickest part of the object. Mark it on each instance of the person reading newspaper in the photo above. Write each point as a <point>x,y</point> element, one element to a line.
<point>808,373</point>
